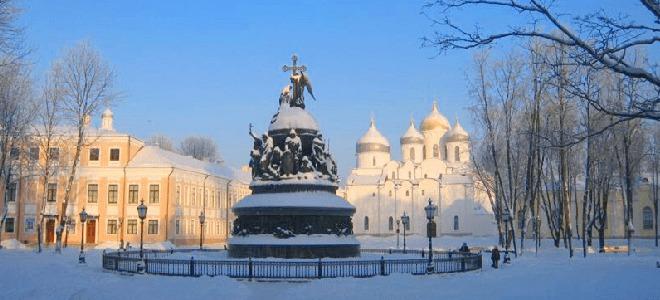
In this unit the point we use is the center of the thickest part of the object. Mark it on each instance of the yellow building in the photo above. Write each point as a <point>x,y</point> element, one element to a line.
<point>116,172</point>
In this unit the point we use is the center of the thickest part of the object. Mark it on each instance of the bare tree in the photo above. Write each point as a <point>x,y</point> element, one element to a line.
<point>599,40</point>
<point>162,141</point>
<point>199,147</point>
<point>86,83</point>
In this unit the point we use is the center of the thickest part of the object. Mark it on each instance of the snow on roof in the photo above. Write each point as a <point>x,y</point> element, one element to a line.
<point>153,156</point>
<point>457,133</point>
<point>412,134</point>
<point>373,136</point>
<point>306,199</point>
<point>362,179</point>
<point>292,117</point>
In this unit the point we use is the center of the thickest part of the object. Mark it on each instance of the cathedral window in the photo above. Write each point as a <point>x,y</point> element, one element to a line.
<point>457,154</point>
<point>436,151</point>
<point>373,194</point>
<point>373,161</point>
<point>390,193</point>
<point>393,175</point>
<point>422,192</point>
<point>390,225</point>
<point>407,193</point>
<point>446,153</point>
<point>412,154</point>
<point>409,175</point>
<point>455,222</point>
<point>647,217</point>
<point>366,223</point>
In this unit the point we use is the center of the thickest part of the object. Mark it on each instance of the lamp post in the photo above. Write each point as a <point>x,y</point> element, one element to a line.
<point>405,219</point>
<point>506,217</point>
<point>142,214</point>
<point>202,218</point>
<point>430,210</point>
<point>83,220</point>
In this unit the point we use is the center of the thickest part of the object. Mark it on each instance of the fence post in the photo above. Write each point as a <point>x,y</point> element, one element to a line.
<point>320,269</point>
<point>463,263</point>
<point>117,260</point>
<point>192,266</point>
<point>250,268</point>
<point>382,266</point>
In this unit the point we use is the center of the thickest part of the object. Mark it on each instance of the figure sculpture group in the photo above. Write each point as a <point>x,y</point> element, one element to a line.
<point>272,162</point>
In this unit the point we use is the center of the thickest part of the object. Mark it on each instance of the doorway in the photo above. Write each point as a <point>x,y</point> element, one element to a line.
<point>50,231</point>
<point>90,235</point>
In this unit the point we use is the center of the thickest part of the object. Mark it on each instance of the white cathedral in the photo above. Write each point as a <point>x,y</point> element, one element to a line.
<point>435,166</point>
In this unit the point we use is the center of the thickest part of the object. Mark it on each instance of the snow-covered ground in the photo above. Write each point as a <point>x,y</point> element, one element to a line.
<point>548,275</point>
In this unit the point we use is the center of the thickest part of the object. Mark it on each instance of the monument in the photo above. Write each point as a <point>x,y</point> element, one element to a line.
<point>293,211</point>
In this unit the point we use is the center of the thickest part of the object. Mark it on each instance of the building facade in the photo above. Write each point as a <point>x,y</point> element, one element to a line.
<point>116,173</point>
<point>435,166</point>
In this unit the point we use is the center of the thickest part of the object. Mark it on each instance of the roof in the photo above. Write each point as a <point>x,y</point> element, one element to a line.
<point>434,120</point>
<point>373,136</point>
<point>362,180</point>
<point>412,135</point>
<point>153,156</point>
<point>457,133</point>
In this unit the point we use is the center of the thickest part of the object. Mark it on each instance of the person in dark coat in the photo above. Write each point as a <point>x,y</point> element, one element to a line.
<point>495,256</point>
<point>464,248</point>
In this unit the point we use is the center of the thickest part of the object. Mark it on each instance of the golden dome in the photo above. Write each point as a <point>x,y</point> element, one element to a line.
<point>435,120</point>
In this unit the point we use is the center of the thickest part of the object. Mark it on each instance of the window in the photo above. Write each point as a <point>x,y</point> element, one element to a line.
<point>114,154</point>
<point>131,226</point>
<point>52,192</point>
<point>178,194</point>
<point>133,193</point>
<point>71,226</point>
<point>94,154</point>
<point>9,225</point>
<point>422,192</point>
<point>373,194</point>
<point>153,193</point>
<point>409,175</point>
<point>192,199</point>
<point>177,227</point>
<point>92,193</point>
<point>390,193</point>
<point>373,161</point>
<point>54,153</point>
<point>390,225</point>
<point>34,153</point>
<point>436,151</point>
<point>407,193</point>
<point>11,192</point>
<point>393,175</point>
<point>112,193</point>
<point>647,218</point>
<point>29,224</point>
<point>412,154</point>
<point>457,154</point>
<point>153,227</point>
<point>446,153</point>
<point>112,226</point>
<point>14,153</point>
<point>366,223</point>
<point>455,222</point>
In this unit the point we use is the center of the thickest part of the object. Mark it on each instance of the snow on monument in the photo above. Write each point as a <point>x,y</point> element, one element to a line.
<point>293,211</point>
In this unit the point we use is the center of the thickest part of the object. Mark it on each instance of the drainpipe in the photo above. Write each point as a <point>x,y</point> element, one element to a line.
<point>167,206</point>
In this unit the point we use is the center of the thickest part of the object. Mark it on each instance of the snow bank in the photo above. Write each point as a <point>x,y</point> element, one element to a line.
<point>13,244</point>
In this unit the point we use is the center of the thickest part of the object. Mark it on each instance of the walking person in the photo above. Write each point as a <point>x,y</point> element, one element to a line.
<point>495,256</point>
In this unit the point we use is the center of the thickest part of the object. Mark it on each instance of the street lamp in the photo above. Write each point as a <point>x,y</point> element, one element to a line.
<point>83,220</point>
<point>430,210</point>
<point>202,218</point>
<point>397,233</point>
<point>142,214</point>
<point>405,219</point>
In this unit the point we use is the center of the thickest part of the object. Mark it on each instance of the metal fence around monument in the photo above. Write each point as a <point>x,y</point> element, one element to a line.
<point>157,262</point>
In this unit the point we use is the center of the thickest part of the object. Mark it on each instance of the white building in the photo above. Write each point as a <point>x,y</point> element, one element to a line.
<point>435,166</point>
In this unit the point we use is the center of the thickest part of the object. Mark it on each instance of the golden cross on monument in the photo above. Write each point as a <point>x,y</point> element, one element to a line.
<point>294,68</point>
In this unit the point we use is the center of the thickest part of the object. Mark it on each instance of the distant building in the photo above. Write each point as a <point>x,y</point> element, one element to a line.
<point>435,166</point>
<point>116,172</point>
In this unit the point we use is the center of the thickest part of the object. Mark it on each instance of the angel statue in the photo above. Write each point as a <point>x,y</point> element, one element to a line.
<point>300,81</point>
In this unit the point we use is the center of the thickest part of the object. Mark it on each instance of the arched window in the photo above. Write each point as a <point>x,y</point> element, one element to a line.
<point>457,154</point>
<point>455,222</point>
<point>390,193</point>
<point>409,175</point>
<point>412,154</point>
<point>424,152</point>
<point>390,225</point>
<point>373,161</point>
<point>373,194</point>
<point>422,192</point>
<point>407,193</point>
<point>445,153</point>
<point>436,151</point>
<point>647,217</point>
<point>366,223</point>
<point>393,175</point>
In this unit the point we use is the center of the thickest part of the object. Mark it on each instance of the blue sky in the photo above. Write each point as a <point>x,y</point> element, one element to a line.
<point>211,67</point>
